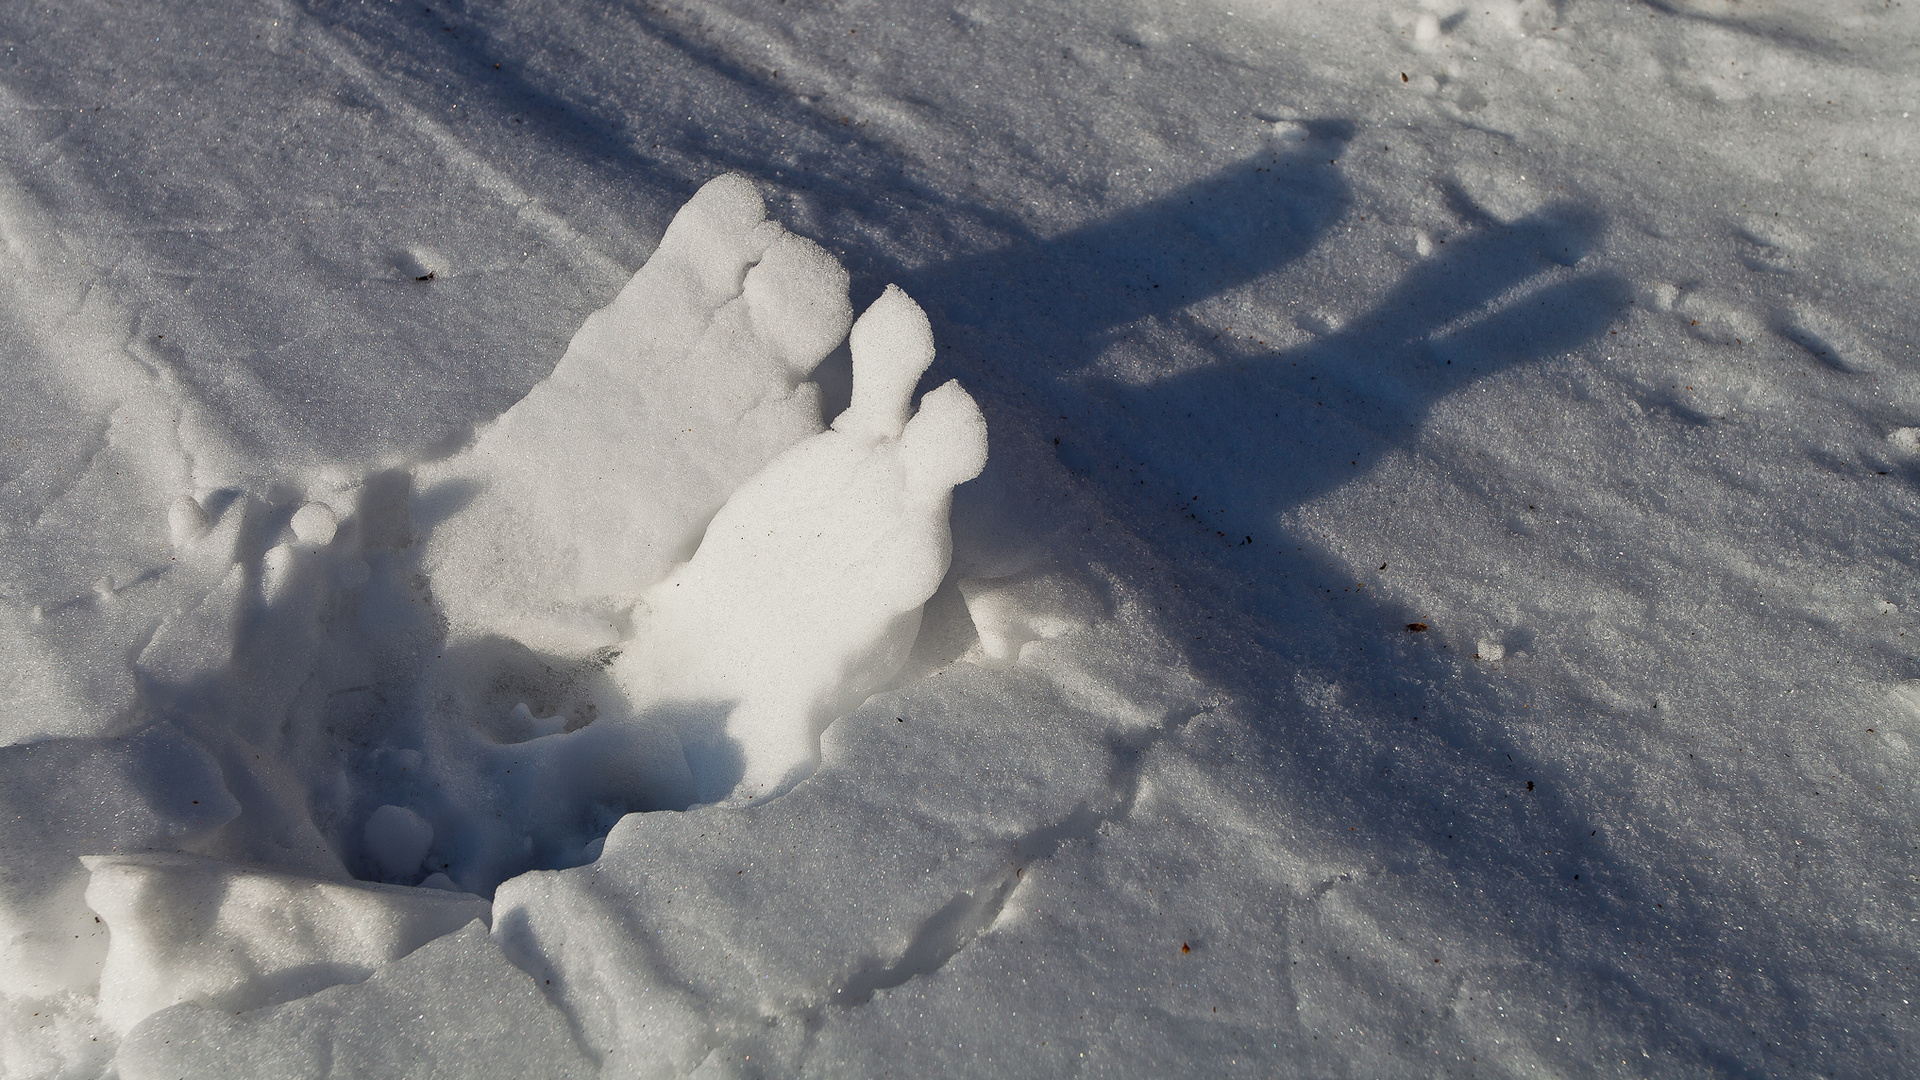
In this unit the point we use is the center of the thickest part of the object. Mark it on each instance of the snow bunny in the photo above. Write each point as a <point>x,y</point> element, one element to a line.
<point>806,592</point>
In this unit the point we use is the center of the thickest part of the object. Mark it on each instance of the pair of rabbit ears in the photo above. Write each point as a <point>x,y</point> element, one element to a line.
<point>945,442</point>
<point>797,296</point>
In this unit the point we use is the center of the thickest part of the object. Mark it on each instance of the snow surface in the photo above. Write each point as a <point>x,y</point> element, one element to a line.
<point>1345,540</point>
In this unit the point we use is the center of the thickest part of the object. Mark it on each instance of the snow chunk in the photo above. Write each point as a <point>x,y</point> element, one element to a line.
<point>188,928</point>
<point>153,790</point>
<point>455,1008</point>
<point>186,521</point>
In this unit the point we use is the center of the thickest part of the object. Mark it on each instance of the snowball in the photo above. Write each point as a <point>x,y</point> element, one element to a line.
<point>314,524</point>
<point>397,839</point>
<point>588,490</point>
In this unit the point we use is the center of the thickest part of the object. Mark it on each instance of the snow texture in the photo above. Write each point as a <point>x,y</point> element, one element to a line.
<point>1434,599</point>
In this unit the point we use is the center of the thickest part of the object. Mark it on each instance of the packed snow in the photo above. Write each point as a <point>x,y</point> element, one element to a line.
<point>1173,537</point>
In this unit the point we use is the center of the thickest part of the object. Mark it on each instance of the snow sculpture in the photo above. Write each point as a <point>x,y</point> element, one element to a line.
<point>578,536</point>
<point>589,489</point>
<point>805,596</point>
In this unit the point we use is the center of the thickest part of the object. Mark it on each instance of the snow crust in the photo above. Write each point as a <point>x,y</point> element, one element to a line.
<point>1437,600</point>
<point>189,929</point>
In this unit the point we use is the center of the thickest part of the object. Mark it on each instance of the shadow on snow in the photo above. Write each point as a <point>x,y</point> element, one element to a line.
<point>1420,759</point>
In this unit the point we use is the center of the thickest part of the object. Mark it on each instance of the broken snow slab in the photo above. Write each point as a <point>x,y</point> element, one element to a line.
<point>454,1008</point>
<point>731,930</point>
<point>186,928</point>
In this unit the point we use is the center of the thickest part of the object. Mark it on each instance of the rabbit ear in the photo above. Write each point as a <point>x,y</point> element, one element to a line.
<point>719,233</point>
<point>892,346</point>
<point>797,297</point>
<point>945,444</point>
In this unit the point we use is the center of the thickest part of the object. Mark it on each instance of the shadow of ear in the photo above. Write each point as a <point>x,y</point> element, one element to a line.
<point>384,513</point>
<point>1551,320</point>
<point>1060,296</point>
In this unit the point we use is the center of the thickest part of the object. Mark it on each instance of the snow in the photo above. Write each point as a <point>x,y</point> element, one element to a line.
<point>697,368</point>
<point>187,929</point>
<point>496,1017</point>
<point>1343,540</point>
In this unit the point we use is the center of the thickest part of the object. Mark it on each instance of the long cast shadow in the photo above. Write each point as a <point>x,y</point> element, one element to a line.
<point>1436,776</point>
<point>1255,433</point>
<point>1059,299</point>
<point>1270,432</point>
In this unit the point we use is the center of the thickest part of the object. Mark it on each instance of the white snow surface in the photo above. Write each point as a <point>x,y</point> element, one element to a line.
<point>1344,540</point>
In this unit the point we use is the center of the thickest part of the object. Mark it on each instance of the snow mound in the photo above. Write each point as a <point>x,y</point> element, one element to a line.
<point>1442,588</point>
